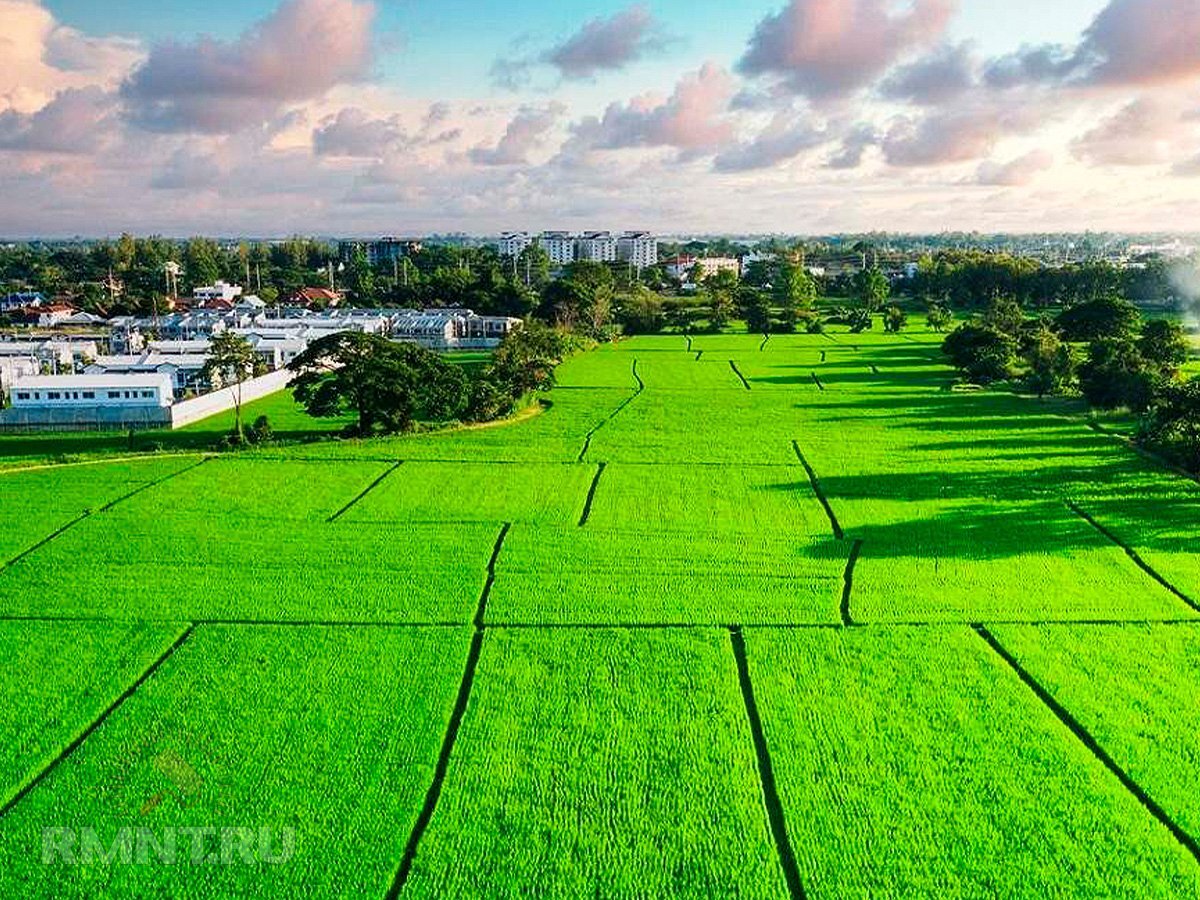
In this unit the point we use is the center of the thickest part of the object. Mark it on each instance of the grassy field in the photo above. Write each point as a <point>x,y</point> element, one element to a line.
<point>724,616</point>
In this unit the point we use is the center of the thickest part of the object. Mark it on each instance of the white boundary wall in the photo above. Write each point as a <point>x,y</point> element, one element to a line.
<point>188,411</point>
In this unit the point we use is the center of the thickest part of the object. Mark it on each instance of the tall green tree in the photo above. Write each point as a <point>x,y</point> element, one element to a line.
<point>231,363</point>
<point>871,289</point>
<point>1051,362</point>
<point>388,386</point>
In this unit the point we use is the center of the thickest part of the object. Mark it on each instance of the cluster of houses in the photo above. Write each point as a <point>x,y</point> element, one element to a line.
<point>139,368</point>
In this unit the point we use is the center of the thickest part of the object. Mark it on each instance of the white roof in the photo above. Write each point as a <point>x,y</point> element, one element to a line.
<point>65,382</point>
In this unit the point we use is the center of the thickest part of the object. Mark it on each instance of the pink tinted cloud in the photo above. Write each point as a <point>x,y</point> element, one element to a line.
<point>524,135</point>
<point>1147,131</point>
<point>691,119</point>
<point>74,122</point>
<point>831,48</point>
<point>1017,172</point>
<point>299,52</point>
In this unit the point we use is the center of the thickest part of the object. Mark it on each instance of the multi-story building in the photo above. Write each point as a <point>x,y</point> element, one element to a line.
<point>639,248</point>
<point>596,246</point>
<point>381,252</point>
<point>559,246</point>
<point>514,243</point>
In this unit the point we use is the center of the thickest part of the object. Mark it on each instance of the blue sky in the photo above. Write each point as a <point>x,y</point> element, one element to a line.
<point>795,116</point>
<point>448,46</point>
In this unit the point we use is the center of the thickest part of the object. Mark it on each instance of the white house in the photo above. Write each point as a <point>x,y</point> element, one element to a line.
<point>514,243</point>
<point>220,291</point>
<point>184,370</point>
<point>639,248</point>
<point>452,329</point>
<point>49,392</point>
<point>559,246</point>
<point>13,368</point>
<point>596,246</point>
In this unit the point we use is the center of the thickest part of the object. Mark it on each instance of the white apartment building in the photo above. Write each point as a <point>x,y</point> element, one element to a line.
<point>596,246</point>
<point>514,243</point>
<point>49,392</point>
<point>639,248</point>
<point>711,265</point>
<point>559,246</point>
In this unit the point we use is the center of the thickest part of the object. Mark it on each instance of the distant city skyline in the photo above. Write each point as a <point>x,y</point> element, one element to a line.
<point>352,117</point>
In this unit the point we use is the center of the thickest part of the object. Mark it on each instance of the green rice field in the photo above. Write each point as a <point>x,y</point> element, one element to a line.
<point>725,616</point>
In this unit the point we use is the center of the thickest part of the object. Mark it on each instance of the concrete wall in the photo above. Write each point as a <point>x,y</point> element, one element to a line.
<point>122,418</point>
<point>188,411</point>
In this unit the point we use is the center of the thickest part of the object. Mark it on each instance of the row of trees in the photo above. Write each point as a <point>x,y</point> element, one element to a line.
<point>1105,350</point>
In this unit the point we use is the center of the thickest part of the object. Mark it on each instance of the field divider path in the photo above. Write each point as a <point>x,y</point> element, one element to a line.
<point>452,727</point>
<point>88,513</point>
<point>817,382</point>
<point>838,532</point>
<point>766,773</point>
<point>155,483</point>
<point>1085,737</point>
<point>363,493</point>
<point>1141,451</point>
<point>848,584</point>
<point>100,720</point>
<point>591,494</point>
<point>824,355</point>
<point>738,373</point>
<point>699,353</point>
<point>763,345</point>
<point>1131,553</point>
<point>875,370</point>
<point>641,386</point>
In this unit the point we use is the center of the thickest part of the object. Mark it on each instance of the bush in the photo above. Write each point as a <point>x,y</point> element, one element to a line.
<point>1115,376</point>
<point>261,431</point>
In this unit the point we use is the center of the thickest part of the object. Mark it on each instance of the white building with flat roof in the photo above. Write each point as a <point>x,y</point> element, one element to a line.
<point>596,246</point>
<point>514,243</point>
<point>638,248</point>
<point>219,291</point>
<point>559,246</point>
<point>50,392</point>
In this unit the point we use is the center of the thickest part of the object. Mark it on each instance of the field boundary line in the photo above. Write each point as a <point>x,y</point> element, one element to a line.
<point>100,720</point>
<point>591,494</point>
<point>875,370</point>
<point>1131,553</point>
<point>824,355</point>
<point>688,338</point>
<point>44,541</point>
<point>763,345</point>
<point>820,492</point>
<point>1148,455</point>
<point>766,773</point>
<point>461,701</point>
<point>104,460</point>
<point>1085,737</point>
<point>641,387</point>
<point>153,484</point>
<point>699,353</point>
<point>738,373</point>
<point>848,583</point>
<point>363,493</point>
<point>817,382</point>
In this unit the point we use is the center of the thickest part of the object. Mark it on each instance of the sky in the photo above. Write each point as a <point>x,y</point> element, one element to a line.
<point>358,117</point>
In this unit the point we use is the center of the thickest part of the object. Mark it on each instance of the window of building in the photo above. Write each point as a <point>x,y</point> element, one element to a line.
<point>22,396</point>
<point>114,395</point>
<point>89,395</point>
<point>149,395</point>
<point>52,395</point>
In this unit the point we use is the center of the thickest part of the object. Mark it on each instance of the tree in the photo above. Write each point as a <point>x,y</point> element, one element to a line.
<point>794,292</point>
<point>939,318</point>
<point>641,311</point>
<point>895,319</point>
<point>1095,320</point>
<point>871,289</point>
<point>1004,314</point>
<point>1164,344</point>
<point>389,386</point>
<point>1051,362</point>
<point>232,362</point>
<point>756,311</point>
<point>721,288</point>
<point>1115,376</point>
<point>1171,426</point>
<point>983,355</point>
<point>360,279</point>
